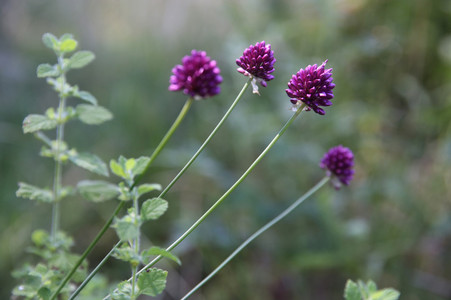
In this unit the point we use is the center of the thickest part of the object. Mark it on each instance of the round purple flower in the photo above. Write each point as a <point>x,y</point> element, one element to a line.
<point>198,76</point>
<point>257,62</point>
<point>339,162</point>
<point>313,87</point>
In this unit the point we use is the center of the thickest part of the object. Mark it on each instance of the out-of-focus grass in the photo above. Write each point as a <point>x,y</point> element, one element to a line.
<point>392,106</point>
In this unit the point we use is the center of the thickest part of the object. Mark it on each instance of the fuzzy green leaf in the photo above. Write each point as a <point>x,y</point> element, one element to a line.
<point>92,114</point>
<point>140,165</point>
<point>81,59</point>
<point>34,193</point>
<point>352,291</point>
<point>153,208</point>
<point>148,187</point>
<point>127,227</point>
<point>86,96</point>
<point>89,162</point>
<point>97,190</point>
<point>46,70</point>
<point>385,294</point>
<point>123,292</point>
<point>155,251</point>
<point>117,169</point>
<point>152,282</point>
<point>68,45</point>
<point>34,123</point>
<point>44,293</point>
<point>50,41</point>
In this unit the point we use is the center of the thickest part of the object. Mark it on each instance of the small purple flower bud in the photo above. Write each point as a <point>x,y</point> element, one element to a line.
<point>257,62</point>
<point>198,76</point>
<point>339,162</point>
<point>313,87</point>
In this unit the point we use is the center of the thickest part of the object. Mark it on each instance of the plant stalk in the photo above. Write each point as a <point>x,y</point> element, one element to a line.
<point>226,194</point>
<point>257,233</point>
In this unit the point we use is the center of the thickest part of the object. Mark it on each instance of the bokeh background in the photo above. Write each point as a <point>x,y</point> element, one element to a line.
<point>392,107</point>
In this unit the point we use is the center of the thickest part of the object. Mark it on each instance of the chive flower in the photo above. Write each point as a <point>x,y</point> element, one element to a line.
<point>312,86</point>
<point>198,76</point>
<point>339,162</point>
<point>257,62</point>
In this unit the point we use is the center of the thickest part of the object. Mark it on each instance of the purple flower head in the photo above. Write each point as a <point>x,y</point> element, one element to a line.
<point>339,162</point>
<point>198,76</point>
<point>313,87</point>
<point>257,62</point>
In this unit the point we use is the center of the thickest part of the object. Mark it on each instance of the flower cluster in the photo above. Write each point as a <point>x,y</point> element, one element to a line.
<point>197,76</point>
<point>313,87</point>
<point>257,62</point>
<point>339,162</point>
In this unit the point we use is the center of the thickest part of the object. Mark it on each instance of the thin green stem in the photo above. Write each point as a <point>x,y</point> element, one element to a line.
<point>94,272</point>
<point>58,164</point>
<point>226,194</point>
<point>153,156</point>
<point>165,139</point>
<point>136,246</point>
<point>259,232</point>
<point>212,134</point>
<point>88,250</point>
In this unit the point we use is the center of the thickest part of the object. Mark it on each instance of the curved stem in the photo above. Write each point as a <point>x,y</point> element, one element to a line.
<point>88,250</point>
<point>153,156</point>
<point>94,272</point>
<point>212,134</point>
<point>257,233</point>
<point>224,196</point>
<point>165,139</point>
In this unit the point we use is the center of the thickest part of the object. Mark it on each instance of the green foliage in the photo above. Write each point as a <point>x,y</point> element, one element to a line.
<point>154,251</point>
<point>152,282</point>
<point>127,227</point>
<point>97,190</point>
<point>81,59</point>
<point>361,291</point>
<point>89,162</point>
<point>34,193</point>
<point>46,70</point>
<point>153,208</point>
<point>33,123</point>
<point>129,168</point>
<point>92,114</point>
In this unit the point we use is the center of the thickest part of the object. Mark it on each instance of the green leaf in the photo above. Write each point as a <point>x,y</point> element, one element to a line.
<point>148,187</point>
<point>385,294</point>
<point>117,169</point>
<point>89,162</point>
<point>153,208</point>
<point>34,123</point>
<point>68,45</point>
<point>44,293</point>
<point>50,41</point>
<point>124,290</point>
<point>126,253</point>
<point>127,228</point>
<point>40,237</point>
<point>155,251</point>
<point>371,286</point>
<point>92,114</point>
<point>86,96</point>
<point>81,59</point>
<point>140,165</point>
<point>352,291</point>
<point>152,282</point>
<point>46,70</point>
<point>97,190</point>
<point>34,193</point>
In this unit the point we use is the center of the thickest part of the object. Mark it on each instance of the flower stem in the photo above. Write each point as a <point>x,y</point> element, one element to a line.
<point>224,196</point>
<point>259,232</point>
<point>202,147</point>
<point>165,139</point>
<point>153,156</point>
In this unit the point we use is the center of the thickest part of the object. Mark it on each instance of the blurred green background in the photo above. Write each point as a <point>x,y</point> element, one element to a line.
<point>392,107</point>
